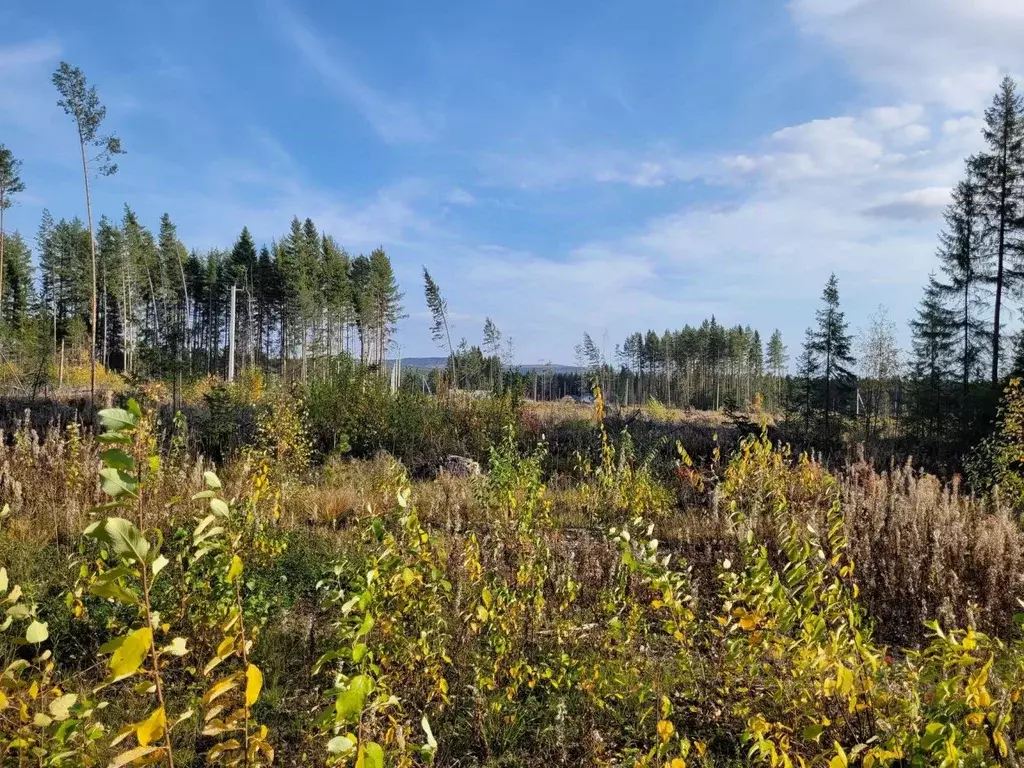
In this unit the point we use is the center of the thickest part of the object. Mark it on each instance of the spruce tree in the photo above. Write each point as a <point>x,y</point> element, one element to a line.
<point>1000,170</point>
<point>966,264</point>
<point>17,296</point>
<point>934,336</point>
<point>832,345</point>
<point>808,369</point>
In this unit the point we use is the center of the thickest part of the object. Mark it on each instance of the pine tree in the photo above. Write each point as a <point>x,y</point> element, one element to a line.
<point>359,278</point>
<point>832,344</point>
<point>440,329</point>
<point>386,301</point>
<point>10,185</point>
<point>492,348</point>
<point>777,362</point>
<point>1000,170</point>
<point>337,289</point>
<point>83,105</point>
<point>110,254</point>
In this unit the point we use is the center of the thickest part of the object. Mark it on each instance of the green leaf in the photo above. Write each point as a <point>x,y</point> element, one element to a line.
<point>219,507</point>
<point>349,703</point>
<point>37,632</point>
<point>117,419</point>
<point>118,459</point>
<point>3,580</point>
<point>117,482</point>
<point>131,653</point>
<point>121,536</point>
<point>431,741</point>
<point>211,480</point>
<point>368,623</point>
<point>372,757</point>
<point>133,407</point>
<point>107,585</point>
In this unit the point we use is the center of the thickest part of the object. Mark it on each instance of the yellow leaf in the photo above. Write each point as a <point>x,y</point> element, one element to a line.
<point>665,730</point>
<point>152,728</point>
<point>131,755</point>
<point>749,621</point>
<point>253,685</point>
<point>975,719</point>
<point>219,688</point>
<point>3,700</point>
<point>131,653</point>
<point>677,762</point>
<point>235,570</point>
<point>844,681</point>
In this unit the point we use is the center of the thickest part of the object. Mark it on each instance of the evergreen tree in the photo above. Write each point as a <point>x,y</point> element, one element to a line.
<point>17,289</point>
<point>808,369</point>
<point>934,332</point>
<point>359,278</point>
<point>777,362</point>
<point>386,299</point>
<point>82,103</point>
<point>440,329</point>
<point>832,344</point>
<point>1000,170</point>
<point>10,185</point>
<point>966,264</point>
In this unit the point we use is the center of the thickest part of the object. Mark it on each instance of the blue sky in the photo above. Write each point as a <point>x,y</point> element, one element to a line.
<point>561,167</point>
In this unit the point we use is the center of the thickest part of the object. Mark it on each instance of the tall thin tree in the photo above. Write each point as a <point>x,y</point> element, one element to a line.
<point>83,104</point>
<point>966,264</point>
<point>1000,171</point>
<point>832,344</point>
<point>10,184</point>
<point>439,330</point>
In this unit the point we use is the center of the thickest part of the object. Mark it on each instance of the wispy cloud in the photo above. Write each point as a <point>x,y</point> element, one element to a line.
<point>948,52</point>
<point>395,121</point>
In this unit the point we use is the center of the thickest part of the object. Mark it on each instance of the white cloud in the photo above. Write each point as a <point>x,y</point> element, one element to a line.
<point>395,121</point>
<point>949,52</point>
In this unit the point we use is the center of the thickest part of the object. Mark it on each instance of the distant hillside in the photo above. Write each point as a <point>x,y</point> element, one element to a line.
<point>430,363</point>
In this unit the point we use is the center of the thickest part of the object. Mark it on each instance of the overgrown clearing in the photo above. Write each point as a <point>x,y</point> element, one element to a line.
<point>607,596</point>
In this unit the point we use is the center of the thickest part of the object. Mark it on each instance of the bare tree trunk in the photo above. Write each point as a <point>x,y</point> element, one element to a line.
<point>92,260</point>
<point>1,256</point>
